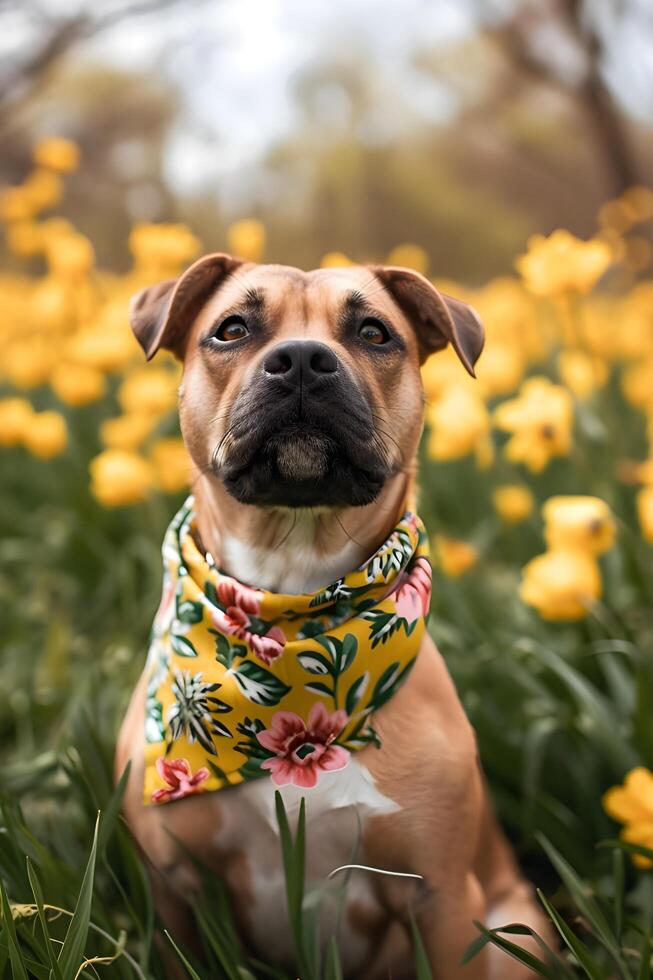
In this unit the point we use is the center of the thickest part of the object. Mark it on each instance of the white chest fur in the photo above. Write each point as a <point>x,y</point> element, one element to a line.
<point>336,810</point>
<point>294,569</point>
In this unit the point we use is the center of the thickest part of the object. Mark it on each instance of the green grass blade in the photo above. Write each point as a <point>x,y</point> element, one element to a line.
<point>37,892</point>
<point>72,951</point>
<point>422,968</point>
<point>333,970</point>
<point>588,907</point>
<point>192,973</point>
<point>494,937</point>
<point>582,954</point>
<point>18,970</point>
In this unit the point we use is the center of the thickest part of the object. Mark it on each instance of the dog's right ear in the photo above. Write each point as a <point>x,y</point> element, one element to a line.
<point>161,315</point>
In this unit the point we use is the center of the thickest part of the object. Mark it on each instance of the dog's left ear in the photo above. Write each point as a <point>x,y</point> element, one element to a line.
<point>436,318</point>
<point>161,315</point>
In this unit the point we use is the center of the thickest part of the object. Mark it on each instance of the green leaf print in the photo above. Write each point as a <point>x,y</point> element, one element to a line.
<point>181,646</point>
<point>356,692</point>
<point>259,685</point>
<point>348,651</point>
<point>190,612</point>
<point>315,663</point>
<point>318,688</point>
<point>389,682</point>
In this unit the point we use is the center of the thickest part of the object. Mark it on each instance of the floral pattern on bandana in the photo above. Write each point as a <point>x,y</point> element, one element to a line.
<point>244,683</point>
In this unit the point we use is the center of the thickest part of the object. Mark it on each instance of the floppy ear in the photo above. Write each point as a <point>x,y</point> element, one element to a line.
<point>437,319</point>
<point>161,315</point>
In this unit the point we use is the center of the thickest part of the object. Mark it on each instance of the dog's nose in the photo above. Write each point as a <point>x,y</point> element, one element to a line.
<point>300,361</point>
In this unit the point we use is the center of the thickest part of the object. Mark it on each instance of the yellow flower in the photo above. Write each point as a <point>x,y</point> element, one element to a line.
<point>500,369</point>
<point>172,464</point>
<point>24,238</point>
<point>119,478</point>
<point>127,432</point>
<point>46,435</point>
<point>102,346</point>
<point>15,417</point>
<point>513,503</point>
<point>459,425</point>
<point>411,256</point>
<point>455,557</point>
<point>15,205</point>
<point>57,153</point>
<point>151,390</point>
<point>335,260</point>
<point>77,384</point>
<point>164,247</point>
<point>29,363</point>
<point>540,420</point>
<point>645,512</point>
<point>632,805</point>
<point>561,585</point>
<point>581,372</point>
<point>441,370</point>
<point>44,189</point>
<point>640,200</point>
<point>562,263</point>
<point>637,384</point>
<point>70,255</point>
<point>246,238</point>
<point>583,523</point>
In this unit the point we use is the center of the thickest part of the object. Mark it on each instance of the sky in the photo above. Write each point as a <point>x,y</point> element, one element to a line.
<point>235,64</point>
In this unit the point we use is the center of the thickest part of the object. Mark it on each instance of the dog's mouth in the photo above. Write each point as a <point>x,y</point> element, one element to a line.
<point>298,459</point>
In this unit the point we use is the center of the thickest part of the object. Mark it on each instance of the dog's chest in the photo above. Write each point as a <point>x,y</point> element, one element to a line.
<point>336,812</point>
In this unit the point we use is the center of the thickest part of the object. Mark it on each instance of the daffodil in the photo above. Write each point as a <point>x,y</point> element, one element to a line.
<point>127,432</point>
<point>15,417</point>
<point>562,263</point>
<point>513,503</point>
<point>581,372</point>
<point>57,153</point>
<point>454,557</point>
<point>172,464</point>
<point>120,478</point>
<point>561,585</point>
<point>246,238</point>
<point>645,512</point>
<point>151,390</point>
<point>459,425</point>
<point>77,384</point>
<point>583,523</point>
<point>46,436</point>
<point>632,805</point>
<point>540,420</point>
<point>161,249</point>
<point>410,256</point>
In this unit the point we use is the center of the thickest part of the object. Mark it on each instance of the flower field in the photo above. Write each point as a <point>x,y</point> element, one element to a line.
<point>536,485</point>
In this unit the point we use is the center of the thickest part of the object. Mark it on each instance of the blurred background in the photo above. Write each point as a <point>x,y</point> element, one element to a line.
<point>502,147</point>
<point>460,125</point>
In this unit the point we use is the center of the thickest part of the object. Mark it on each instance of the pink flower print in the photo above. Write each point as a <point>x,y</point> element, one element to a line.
<point>180,780</point>
<point>303,750</point>
<point>234,594</point>
<point>412,594</point>
<point>165,612</point>
<point>235,621</point>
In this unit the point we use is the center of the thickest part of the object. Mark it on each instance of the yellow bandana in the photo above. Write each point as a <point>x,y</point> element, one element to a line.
<point>245,683</point>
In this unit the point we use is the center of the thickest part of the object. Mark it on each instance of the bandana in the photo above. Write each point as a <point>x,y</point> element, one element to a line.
<point>244,683</point>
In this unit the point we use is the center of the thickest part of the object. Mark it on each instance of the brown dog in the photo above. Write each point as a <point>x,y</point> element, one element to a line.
<point>301,407</point>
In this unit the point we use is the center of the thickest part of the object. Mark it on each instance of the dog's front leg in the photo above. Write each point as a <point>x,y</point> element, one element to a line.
<point>446,923</point>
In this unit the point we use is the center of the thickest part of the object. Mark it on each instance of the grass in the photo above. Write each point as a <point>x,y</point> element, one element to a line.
<point>562,712</point>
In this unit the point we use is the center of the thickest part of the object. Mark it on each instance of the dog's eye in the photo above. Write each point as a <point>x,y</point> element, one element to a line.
<point>373,331</point>
<point>233,328</point>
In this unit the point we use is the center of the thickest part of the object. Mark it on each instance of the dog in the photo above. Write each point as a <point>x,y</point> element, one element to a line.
<point>301,408</point>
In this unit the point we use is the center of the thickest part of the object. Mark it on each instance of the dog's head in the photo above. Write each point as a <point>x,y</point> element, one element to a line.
<point>301,389</point>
